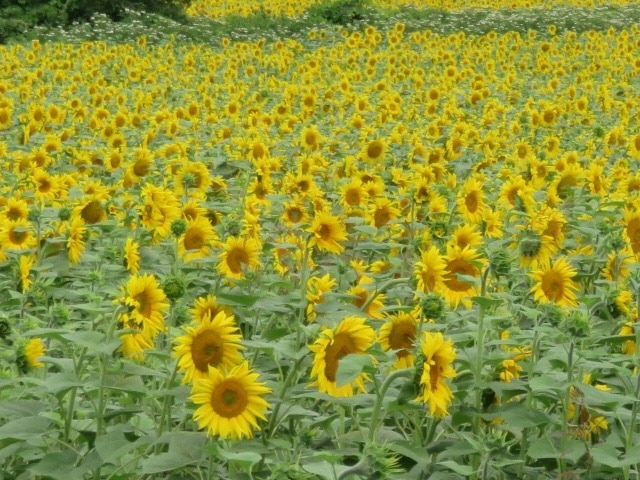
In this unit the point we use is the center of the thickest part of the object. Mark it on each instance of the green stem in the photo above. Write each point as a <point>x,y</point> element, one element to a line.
<point>166,402</point>
<point>273,422</point>
<point>478,367</point>
<point>377,406</point>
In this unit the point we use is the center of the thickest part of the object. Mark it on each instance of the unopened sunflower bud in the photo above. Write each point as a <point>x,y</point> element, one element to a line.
<point>178,227</point>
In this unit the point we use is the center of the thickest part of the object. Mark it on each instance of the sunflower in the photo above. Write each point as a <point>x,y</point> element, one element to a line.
<point>132,256</point>
<point>208,306</point>
<point>555,284</point>
<point>317,288</point>
<point>471,201</point>
<point>351,336</point>
<point>510,370</point>
<point>75,239</point>
<point>353,194</point>
<point>374,150</point>
<point>399,333</point>
<point>192,177</point>
<point>534,248</point>
<point>146,305</point>
<point>294,213</point>
<point>33,350</point>
<point>439,355</point>
<point>618,263</point>
<point>382,211</point>
<point>17,235</point>
<point>91,211</point>
<point>629,346</point>
<point>239,254</point>
<point>632,229</point>
<point>24,267</point>
<point>15,209</point>
<point>310,138</point>
<point>196,241</point>
<point>466,236</point>
<point>460,261</point>
<point>364,298</point>
<point>230,402</point>
<point>430,271</point>
<point>327,231</point>
<point>210,342</point>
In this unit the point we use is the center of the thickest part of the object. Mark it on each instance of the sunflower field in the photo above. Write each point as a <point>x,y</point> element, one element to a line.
<point>368,251</point>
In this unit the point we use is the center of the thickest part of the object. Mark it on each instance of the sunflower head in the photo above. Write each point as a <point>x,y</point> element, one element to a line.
<point>230,402</point>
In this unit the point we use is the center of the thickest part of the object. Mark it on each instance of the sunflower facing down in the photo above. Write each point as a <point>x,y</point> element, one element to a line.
<point>351,336</point>
<point>211,342</point>
<point>555,284</point>
<point>438,354</point>
<point>230,402</point>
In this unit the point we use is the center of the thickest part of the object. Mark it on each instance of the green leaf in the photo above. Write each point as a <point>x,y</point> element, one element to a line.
<point>57,465</point>
<point>465,470</point>
<point>94,341</point>
<point>486,302</point>
<point>247,459</point>
<point>166,462</point>
<point>322,469</point>
<point>350,367</point>
<point>25,428</point>
<point>542,448</point>
<point>23,408</point>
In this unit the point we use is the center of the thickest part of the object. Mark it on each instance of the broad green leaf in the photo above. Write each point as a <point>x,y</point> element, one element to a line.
<point>543,448</point>
<point>96,342</point>
<point>350,367</point>
<point>25,428</point>
<point>465,470</point>
<point>56,465</point>
<point>248,459</point>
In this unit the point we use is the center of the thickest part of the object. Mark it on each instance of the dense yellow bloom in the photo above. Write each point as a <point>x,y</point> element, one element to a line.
<point>230,402</point>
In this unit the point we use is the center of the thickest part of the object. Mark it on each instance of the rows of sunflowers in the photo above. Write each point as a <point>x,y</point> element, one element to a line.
<point>377,254</point>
